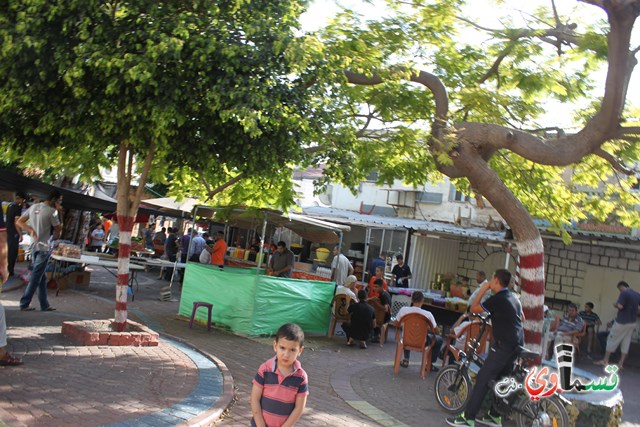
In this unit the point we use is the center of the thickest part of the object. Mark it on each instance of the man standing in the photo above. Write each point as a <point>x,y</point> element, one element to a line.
<point>6,359</point>
<point>160,237</point>
<point>43,217</point>
<point>14,236</point>
<point>218,250</point>
<point>282,261</point>
<point>197,246</point>
<point>622,330</point>
<point>340,267</point>
<point>508,336</point>
<point>401,273</point>
<point>381,261</point>
<point>184,245</point>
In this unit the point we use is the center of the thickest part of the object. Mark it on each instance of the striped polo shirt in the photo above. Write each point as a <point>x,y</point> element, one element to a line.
<point>279,392</point>
<point>590,318</point>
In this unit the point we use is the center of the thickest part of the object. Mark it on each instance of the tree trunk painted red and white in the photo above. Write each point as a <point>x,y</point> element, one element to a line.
<point>532,291</point>
<point>125,224</point>
<point>128,202</point>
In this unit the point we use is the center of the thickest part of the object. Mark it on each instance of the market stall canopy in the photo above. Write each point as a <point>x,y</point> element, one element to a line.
<point>434,228</point>
<point>312,229</point>
<point>171,207</point>
<point>72,199</point>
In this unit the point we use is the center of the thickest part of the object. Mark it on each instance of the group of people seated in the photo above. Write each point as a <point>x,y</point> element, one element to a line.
<point>364,327</point>
<point>573,328</point>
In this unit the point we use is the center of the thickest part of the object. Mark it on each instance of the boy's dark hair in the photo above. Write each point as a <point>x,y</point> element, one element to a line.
<point>163,229</point>
<point>362,295</point>
<point>590,304</point>
<point>291,332</point>
<point>417,296</point>
<point>503,276</point>
<point>399,257</point>
<point>622,284</point>
<point>53,196</point>
<point>378,282</point>
<point>572,305</point>
<point>282,244</point>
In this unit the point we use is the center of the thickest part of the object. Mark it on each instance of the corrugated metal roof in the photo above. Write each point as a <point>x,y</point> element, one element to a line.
<point>358,219</point>
<point>363,220</point>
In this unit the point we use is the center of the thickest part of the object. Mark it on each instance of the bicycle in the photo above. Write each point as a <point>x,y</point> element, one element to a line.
<point>453,387</point>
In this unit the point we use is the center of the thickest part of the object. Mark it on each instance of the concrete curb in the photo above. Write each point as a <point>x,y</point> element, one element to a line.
<point>226,398</point>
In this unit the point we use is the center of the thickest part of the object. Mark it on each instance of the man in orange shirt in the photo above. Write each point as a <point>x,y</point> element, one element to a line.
<point>218,250</point>
<point>379,275</point>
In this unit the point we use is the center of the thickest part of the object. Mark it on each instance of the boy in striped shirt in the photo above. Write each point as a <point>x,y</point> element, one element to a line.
<point>280,388</point>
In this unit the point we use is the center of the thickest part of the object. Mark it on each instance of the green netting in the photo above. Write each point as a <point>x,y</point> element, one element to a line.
<point>255,304</point>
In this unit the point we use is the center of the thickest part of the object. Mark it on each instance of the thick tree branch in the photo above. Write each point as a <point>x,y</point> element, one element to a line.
<point>561,34</point>
<point>144,174</point>
<point>429,80</point>
<point>222,187</point>
<point>599,3</point>
<point>629,130</point>
<point>615,163</point>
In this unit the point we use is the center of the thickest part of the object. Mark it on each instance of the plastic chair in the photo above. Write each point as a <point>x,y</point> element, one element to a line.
<point>340,312</point>
<point>196,305</point>
<point>470,331</point>
<point>380,312</point>
<point>577,339</point>
<point>411,334</point>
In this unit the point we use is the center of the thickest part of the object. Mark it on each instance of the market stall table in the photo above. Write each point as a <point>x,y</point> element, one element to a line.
<point>58,260</point>
<point>154,262</point>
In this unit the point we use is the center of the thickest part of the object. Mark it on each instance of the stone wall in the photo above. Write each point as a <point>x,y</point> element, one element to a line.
<point>565,266</point>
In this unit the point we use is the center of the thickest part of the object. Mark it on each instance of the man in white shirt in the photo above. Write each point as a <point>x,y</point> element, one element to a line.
<point>340,267</point>
<point>197,246</point>
<point>481,278</point>
<point>349,288</point>
<point>417,299</point>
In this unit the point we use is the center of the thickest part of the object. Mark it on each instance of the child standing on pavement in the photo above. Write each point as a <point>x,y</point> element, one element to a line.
<point>280,388</point>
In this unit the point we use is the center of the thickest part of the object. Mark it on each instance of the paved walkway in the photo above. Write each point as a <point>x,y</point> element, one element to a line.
<point>173,384</point>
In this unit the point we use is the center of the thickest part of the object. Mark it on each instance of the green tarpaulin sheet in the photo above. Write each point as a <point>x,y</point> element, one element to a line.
<point>254,304</point>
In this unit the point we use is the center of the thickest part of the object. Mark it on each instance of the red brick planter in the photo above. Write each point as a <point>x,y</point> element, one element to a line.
<point>100,332</point>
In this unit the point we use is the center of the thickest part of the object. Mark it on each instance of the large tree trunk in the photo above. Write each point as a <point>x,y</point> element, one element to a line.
<point>128,202</point>
<point>527,236</point>
<point>124,252</point>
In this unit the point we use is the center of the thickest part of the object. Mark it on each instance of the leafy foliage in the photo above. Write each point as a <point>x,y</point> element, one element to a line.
<point>233,90</point>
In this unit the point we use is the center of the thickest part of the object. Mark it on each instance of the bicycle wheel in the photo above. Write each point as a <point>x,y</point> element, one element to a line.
<point>547,412</point>
<point>453,389</point>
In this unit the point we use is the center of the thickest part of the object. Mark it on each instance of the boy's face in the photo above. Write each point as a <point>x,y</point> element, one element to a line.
<point>287,351</point>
